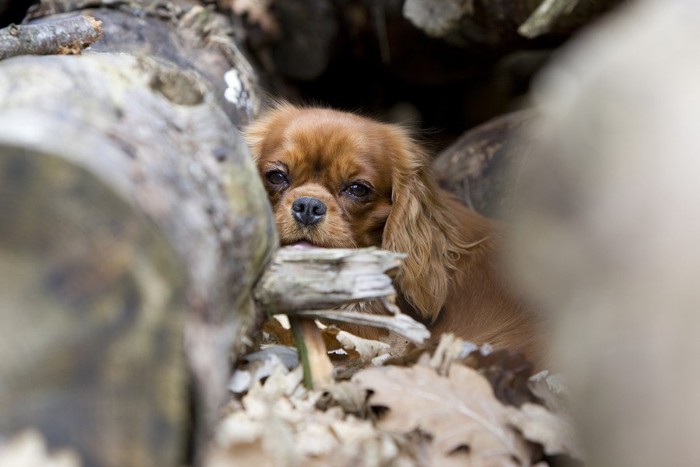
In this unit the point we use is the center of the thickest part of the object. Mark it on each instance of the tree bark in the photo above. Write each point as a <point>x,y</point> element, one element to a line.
<point>478,167</point>
<point>131,213</point>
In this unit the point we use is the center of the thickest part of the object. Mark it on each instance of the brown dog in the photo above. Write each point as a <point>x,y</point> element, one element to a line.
<point>336,179</point>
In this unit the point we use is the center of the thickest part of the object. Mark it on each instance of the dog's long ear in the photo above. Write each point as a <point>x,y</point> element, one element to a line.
<point>421,226</point>
<point>259,132</point>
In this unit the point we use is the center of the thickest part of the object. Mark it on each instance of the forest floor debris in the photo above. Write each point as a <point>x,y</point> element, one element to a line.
<point>462,405</point>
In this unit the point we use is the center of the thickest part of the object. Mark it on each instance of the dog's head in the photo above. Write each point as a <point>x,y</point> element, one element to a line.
<point>339,180</point>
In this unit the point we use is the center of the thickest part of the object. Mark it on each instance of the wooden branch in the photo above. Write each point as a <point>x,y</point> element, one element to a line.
<point>318,369</point>
<point>322,278</point>
<point>63,36</point>
<point>305,283</point>
<point>400,324</point>
<point>311,282</point>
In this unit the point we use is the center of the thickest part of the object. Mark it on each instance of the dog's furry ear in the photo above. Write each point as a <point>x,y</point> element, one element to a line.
<point>258,132</point>
<point>420,226</point>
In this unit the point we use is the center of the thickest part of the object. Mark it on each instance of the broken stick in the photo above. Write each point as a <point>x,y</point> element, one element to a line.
<point>311,283</point>
<point>63,36</point>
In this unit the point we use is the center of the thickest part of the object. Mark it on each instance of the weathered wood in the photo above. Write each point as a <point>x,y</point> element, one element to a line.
<point>142,148</point>
<point>318,278</point>
<point>477,167</point>
<point>304,282</point>
<point>399,323</point>
<point>181,32</point>
<point>545,17</point>
<point>299,51</point>
<point>309,282</point>
<point>62,36</point>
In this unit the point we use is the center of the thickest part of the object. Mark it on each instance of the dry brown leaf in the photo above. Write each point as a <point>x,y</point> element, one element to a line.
<point>553,431</point>
<point>278,330</point>
<point>550,389</point>
<point>508,373</point>
<point>450,349</point>
<point>259,365</point>
<point>367,349</point>
<point>459,411</point>
<point>347,395</point>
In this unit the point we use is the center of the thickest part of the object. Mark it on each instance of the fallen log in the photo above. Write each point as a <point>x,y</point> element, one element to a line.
<point>130,214</point>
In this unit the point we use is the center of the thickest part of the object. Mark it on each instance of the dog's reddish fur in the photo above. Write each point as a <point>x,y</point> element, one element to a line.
<point>450,279</point>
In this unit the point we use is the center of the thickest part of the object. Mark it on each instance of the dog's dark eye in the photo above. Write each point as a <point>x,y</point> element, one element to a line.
<point>276,177</point>
<point>358,190</point>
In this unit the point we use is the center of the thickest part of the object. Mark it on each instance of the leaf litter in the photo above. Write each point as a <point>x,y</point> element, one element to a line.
<point>463,405</point>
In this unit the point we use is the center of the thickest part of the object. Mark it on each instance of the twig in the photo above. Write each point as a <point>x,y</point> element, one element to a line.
<point>64,36</point>
<point>400,324</point>
<point>317,279</point>
<point>318,369</point>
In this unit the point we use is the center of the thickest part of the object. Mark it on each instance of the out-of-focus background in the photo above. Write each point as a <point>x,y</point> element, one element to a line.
<point>442,66</point>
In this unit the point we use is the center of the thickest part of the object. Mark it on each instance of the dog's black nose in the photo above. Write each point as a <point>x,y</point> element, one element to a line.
<point>308,211</point>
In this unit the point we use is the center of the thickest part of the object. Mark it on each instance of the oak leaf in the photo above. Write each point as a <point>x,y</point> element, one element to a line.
<point>459,411</point>
<point>553,431</point>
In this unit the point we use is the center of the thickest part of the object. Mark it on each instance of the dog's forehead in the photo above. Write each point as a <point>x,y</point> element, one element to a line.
<point>340,147</point>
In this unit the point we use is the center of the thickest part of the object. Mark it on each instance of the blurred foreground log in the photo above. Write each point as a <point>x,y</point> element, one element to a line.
<point>130,214</point>
<point>607,227</point>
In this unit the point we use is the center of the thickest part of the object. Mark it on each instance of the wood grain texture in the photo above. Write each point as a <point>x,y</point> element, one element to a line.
<point>318,278</point>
